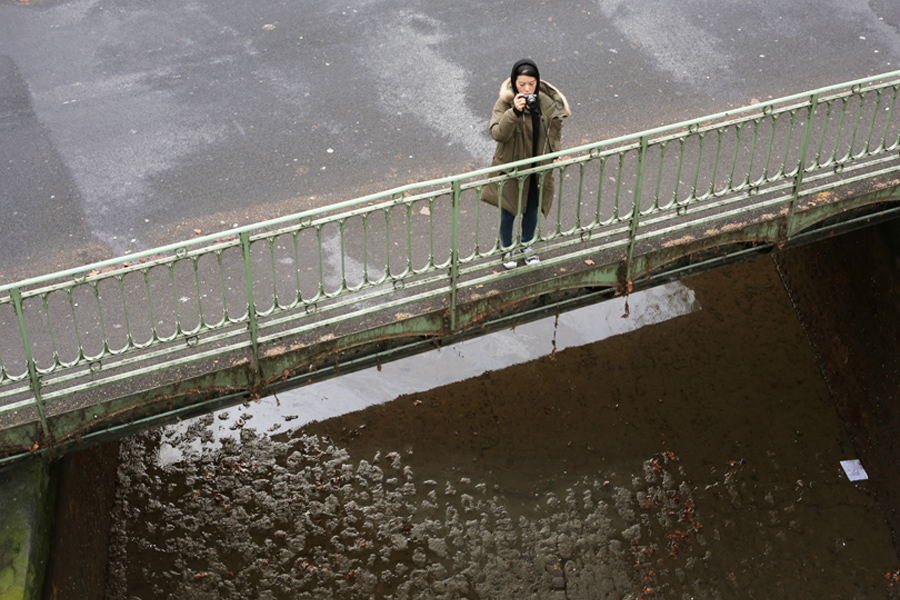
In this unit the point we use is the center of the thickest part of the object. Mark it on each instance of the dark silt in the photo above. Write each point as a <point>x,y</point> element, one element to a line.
<point>696,457</point>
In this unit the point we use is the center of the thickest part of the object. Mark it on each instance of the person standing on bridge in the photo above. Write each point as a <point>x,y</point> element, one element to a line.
<point>527,122</point>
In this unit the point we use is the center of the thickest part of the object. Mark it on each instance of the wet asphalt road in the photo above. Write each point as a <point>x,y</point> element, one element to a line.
<point>128,124</point>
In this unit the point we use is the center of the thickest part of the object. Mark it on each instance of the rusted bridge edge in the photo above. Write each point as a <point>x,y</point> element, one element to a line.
<point>214,384</point>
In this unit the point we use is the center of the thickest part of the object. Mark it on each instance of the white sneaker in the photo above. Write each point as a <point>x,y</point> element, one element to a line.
<point>530,257</point>
<point>509,261</point>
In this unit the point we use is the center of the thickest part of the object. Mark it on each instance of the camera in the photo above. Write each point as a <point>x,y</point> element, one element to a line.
<point>531,100</point>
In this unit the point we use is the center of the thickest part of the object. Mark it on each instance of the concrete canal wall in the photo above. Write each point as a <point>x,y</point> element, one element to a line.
<point>846,291</point>
<point>26,505</point>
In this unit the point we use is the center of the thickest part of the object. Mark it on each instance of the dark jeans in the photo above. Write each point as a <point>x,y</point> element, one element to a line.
<point>529,221</point>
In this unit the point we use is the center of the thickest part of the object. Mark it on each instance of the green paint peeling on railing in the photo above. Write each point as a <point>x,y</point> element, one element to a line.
<point>250,288</point>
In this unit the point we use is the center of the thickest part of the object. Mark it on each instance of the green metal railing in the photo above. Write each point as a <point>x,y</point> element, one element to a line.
<point>251,288</point>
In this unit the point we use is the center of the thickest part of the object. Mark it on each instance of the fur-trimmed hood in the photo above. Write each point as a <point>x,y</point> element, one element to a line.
<point>561,104</point>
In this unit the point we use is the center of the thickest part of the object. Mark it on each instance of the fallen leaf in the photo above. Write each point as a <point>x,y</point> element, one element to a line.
<point>588,262</point>
<point>197,231</point>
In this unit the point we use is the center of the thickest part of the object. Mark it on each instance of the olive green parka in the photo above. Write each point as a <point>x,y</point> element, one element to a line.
<point>513,134</point>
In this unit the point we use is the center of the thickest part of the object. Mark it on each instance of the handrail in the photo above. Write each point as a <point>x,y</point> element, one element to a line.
<point>245,288</point>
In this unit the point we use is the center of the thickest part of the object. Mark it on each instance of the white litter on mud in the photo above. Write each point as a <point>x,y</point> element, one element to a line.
<point>854,470</point>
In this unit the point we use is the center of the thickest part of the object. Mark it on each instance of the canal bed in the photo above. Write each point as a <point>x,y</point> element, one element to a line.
<point>694,456</point>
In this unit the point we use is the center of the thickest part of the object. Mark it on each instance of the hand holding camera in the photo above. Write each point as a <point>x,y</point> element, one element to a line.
<point>529,100</point>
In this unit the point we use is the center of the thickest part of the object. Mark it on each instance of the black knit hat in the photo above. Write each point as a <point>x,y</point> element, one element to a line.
<point>526,66</point>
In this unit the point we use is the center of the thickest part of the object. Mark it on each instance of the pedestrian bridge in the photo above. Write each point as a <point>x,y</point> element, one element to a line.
<point>94,353</point>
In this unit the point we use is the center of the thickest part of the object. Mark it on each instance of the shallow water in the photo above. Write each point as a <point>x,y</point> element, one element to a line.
<point>692,452</point>
<point>361,389</point>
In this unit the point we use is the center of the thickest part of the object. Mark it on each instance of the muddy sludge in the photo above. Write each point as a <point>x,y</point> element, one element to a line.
<point>693,458</point>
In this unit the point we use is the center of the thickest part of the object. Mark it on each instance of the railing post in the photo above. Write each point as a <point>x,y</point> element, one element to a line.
<point>454,253</point>
<point>636,208</point>
<point>16,295</point>
<point>251,303</point>
<point>789,227</point>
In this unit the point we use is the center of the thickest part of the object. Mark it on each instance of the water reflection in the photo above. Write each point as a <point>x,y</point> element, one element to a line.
<point>458,362</point>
